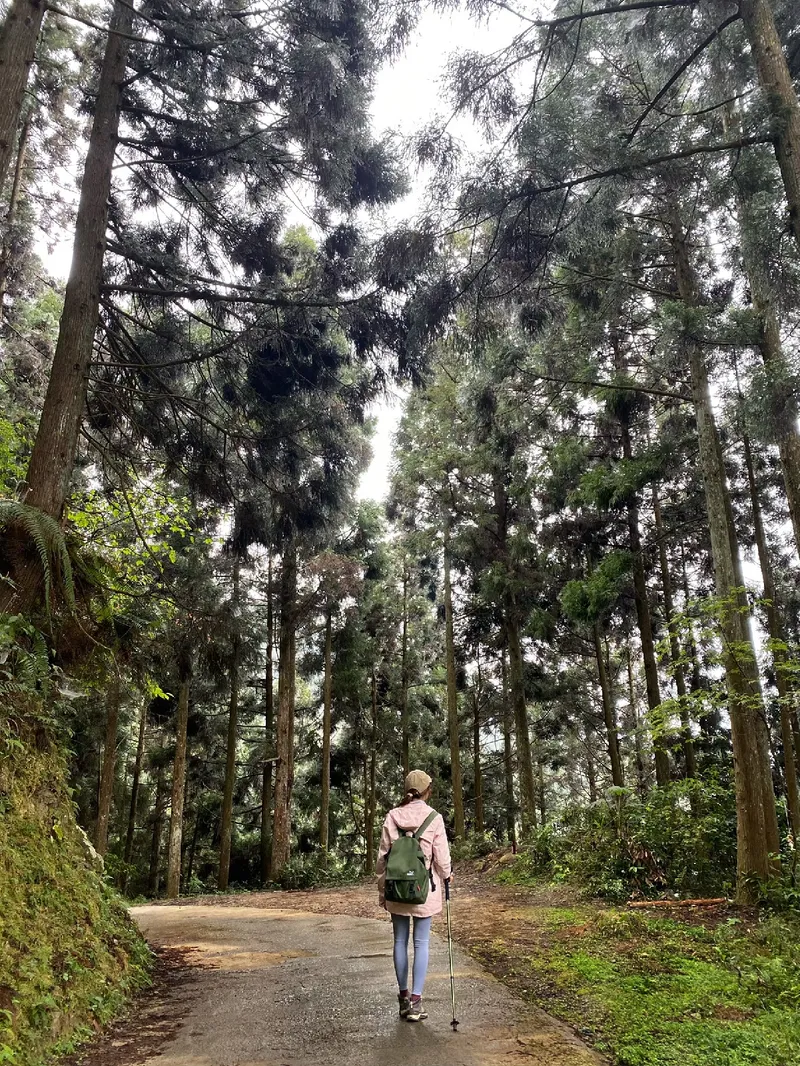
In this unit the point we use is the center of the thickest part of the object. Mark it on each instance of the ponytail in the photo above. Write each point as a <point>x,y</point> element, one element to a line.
<point>411,795</point>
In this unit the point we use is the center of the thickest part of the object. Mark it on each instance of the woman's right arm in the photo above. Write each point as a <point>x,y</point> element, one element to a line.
<point>380,866</point>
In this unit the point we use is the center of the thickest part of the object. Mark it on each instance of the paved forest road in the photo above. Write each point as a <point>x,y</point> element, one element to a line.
<point>291,988</point>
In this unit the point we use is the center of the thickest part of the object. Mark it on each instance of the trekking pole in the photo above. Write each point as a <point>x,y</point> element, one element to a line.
<point>454,1023</point>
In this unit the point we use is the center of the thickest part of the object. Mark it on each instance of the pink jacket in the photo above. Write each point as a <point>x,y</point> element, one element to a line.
<point>435,847</point>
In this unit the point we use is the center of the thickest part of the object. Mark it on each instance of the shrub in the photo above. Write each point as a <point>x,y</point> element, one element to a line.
<point>681,838</point>
<point>474,847</point>
<point>313,871</point>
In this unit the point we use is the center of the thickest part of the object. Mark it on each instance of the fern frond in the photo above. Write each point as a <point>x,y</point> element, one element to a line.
<point>51,545</point>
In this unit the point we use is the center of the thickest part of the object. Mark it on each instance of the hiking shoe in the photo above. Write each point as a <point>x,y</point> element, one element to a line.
<point>405,1005</point>
<point>416,1012</point>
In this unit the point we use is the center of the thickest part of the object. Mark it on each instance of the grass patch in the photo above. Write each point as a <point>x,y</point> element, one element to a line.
<point>70,956</point>
<point>658,992</point>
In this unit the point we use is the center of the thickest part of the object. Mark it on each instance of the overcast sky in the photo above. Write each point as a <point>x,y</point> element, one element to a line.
<point>408,93</point>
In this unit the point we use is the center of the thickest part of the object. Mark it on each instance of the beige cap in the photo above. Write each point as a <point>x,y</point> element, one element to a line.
<point>417,781</point>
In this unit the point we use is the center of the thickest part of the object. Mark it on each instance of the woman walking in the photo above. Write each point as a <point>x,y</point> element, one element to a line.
<point>412,815</point>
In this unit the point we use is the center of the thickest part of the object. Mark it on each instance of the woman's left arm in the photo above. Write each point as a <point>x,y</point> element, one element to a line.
<point>441,850</point>
<point>380,866</point>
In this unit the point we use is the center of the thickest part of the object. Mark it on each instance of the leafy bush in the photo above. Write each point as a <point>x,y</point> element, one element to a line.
<point>681,838</point>
<point>474,847</point>
<point>313,871</point>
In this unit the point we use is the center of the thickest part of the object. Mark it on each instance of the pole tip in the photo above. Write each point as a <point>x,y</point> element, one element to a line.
<point>455,1025</point>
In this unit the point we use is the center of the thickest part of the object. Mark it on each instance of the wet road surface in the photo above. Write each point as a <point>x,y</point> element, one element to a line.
<point>289,988</point>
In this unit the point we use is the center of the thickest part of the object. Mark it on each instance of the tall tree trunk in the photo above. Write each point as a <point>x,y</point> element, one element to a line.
<point>226,824</point>
<point>641,775</point>
<point>452,698</point>
<point>516,677</point>
<point>609,710</point>
<point>109,763</point>
<point>284,740</point>
<point>476,754</point>
<point>370,783</point>
<point>54,450</point>
<point>643,616</point>
<point>508,756</point>
<point>11,215</point>
<point>783,683</point>
<point>327,699</point>
<point>178,781</point>
<point>757,830</point>
<point>137,773</point>
<point>404,722</point>
<point>690,762</point>
<point>190,859</point>
<point>591,773</point>
<point>762,293</point>
<point>269,711</point>
<point>154,873</point>
<point>19,36</point>
<point>516,665</point>
<point>542,791</point>
<point>776,81</point>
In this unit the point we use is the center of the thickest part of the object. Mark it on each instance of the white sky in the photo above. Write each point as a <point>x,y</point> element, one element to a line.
<point>407,95</point>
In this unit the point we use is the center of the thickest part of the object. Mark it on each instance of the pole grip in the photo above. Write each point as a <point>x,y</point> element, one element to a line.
<point>447,890</point>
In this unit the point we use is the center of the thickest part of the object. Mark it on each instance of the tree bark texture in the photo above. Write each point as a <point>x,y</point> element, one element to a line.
<point>452,699</point>
<point>154,873</point>
<point>226,823</point>
<point>643,616</point>
<point>591,771</point>
<point>508,755</point>
<point>757,831</point>
<point>689,759</point>
<point>776,82</point>
<point>477,772</point>
<point>284,739</point>
<point>787,693</point>
<point>636,726</point>
<point>516,677</point>
<point>404,719</point>
<point>109,764</point>
<point>19,36</point>
<point>54,450</point>
<point>178,783</point>
<point>609,710</point>
<point>371,783</point>
<point>327,700</point>
<point>137,774</point>
<point>762,292</point>
<point>11,215</point>
<point>269,713</point>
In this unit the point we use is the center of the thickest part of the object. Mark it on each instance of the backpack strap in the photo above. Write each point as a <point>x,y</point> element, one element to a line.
<point>425,824</point>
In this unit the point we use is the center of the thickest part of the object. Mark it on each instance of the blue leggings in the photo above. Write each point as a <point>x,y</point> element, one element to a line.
<point>422,934</point>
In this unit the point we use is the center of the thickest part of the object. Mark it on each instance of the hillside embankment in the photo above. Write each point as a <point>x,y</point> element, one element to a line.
<point>70,956</point>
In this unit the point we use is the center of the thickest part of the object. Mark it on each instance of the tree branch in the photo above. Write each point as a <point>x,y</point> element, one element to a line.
<point>698,51</point>
<point>613,9</point>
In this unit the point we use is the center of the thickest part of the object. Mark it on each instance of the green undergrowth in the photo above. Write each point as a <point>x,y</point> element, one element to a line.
<point>70,956</point>
<point>652,991</point>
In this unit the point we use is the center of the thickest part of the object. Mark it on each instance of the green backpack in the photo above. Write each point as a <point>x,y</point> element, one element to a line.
<point>407,876</point>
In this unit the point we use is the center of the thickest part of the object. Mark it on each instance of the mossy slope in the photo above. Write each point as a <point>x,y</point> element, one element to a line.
<point>69,953</point>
